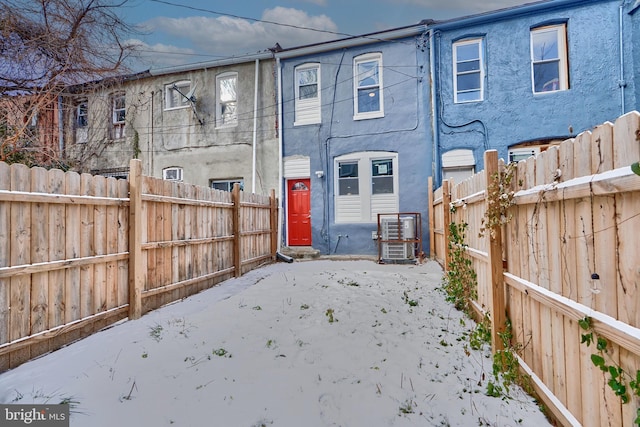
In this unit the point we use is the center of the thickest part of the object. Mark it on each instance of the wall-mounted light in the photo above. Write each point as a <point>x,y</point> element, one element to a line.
<point>319,174</point>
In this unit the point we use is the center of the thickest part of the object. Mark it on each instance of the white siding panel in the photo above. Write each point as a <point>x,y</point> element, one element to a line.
<point>307,112</point>
<point>297,167</point>
<point>348,209</point>
<point>383,203</point>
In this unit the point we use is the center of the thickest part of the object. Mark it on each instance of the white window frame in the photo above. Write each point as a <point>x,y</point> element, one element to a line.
<point>458,164</point>
<point>308,110</point>
<point>116,110</point>
<point>458,73</point>
<point>365,206</point>
<point>173,173</point>
<point>523,153</point>
<point>82,114</point>
<point>357,87</point>
<point>228,182</point>
<point>562,82</point>
<point>118,122</point>
<point>233,118</point>
<point>173,100</point>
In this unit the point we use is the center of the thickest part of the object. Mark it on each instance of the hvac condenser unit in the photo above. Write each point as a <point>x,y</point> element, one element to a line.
<point>402,229</point>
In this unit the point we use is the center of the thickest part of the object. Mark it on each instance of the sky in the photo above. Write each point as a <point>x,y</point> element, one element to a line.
<point>177,32</point>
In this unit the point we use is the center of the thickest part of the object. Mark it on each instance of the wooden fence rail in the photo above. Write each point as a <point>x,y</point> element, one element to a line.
<point>569,249</point>
<point>79,252</point>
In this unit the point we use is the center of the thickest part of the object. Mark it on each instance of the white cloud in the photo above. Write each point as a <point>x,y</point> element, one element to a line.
<point>161,55</point>
<point>228,36</point>
<point>463,7</point>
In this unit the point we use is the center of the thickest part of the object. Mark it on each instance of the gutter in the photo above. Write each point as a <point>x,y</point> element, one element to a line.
<point>434,109</point>
<point>210,64</point>
<point>509,13</point>
<point>353,41</point>
<point>255,128</point>
<point>280,152</point>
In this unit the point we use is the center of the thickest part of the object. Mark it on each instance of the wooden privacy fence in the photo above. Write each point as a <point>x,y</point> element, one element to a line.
<point>79,252</point>
<point>569,249</point>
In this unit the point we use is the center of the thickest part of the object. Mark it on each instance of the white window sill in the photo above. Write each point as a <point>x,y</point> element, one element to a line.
<point>304,123</point>
<point>182,107</point>
<point>366,116</point>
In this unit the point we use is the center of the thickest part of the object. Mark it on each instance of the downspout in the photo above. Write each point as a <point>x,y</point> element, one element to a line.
<point>60,127</point>
<point>621,83</point>
<point>280,142</point>
<point>255,128</point>
<point>434,109</point>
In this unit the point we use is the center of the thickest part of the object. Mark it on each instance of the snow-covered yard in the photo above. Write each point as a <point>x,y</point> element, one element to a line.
<point>319,343</point>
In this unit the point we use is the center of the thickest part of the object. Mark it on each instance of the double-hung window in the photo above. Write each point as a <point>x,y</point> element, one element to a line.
<point>307,103</point>
<point>176,95</point>
<point>118,113</point>
<point>549,63</point>
<point>226,184</point>
<point>82,122</point>
<point>366,185</point>
<point>367,88</point>
<point>227,99</point>
<point>468,80</point>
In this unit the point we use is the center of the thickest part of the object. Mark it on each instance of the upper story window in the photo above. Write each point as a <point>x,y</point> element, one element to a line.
<point>367,87</point>
<point>307,103</point>
<point>176,95</point>
<point>468,79</point>
<point>82,114</point>
<point>227,99</point>
<point>172,174</point>
<point>549,63</point>
<point>118,114</point>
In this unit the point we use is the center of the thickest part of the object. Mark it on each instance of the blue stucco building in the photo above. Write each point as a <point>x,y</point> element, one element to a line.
<point>365,121</point>
<point>355,137</point>
<point>520,79</point>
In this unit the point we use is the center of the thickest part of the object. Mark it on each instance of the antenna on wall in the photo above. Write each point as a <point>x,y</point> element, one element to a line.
<point>190,97</point>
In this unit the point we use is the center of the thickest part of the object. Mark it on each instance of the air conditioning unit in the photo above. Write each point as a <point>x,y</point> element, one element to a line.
<point>394,228</point>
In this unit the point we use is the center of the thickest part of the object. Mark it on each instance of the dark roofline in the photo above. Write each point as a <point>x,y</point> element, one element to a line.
<point>511,12</point>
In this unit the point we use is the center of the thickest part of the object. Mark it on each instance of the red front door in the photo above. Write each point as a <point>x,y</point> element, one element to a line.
<point>299,212</point>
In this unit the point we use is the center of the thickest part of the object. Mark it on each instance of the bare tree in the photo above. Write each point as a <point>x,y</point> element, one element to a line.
<point>46,45</point>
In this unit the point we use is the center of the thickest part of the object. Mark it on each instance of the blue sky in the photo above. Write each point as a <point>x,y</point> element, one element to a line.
<point>175,34</point>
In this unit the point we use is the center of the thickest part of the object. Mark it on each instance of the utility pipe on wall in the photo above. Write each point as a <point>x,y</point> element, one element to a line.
<point>280,152</point>
<point>434,109</point>
<point>621,83</point>
<point>255,128</point>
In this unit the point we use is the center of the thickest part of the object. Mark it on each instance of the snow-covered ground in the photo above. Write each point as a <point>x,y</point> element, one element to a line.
<point>319,343</point>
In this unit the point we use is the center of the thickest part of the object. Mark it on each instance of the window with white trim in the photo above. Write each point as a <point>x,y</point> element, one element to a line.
<point>307,93</point>
<point>517,154</point>
<point>82,114</point>
<point>367,86</point>
<point>175,95</point>
<point>549,63</point>
<point>82,122</point>
<point>458,165</point>
<point>226,184</point>
<point>468,79</point>
<point>172,174</point>
<point>366,184</point>
<point>118,114</point>
<point>227,99</point>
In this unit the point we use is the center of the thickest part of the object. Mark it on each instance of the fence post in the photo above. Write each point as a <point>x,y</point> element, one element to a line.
<point>446,215</point>
<point>273,215</point>
<point>496,278</point>
<point>136,271</point>
<point>432,220</point>
<point>237,261</point>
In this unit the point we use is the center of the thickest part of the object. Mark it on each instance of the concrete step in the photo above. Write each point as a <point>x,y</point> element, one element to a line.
<point>300,252</point>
